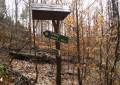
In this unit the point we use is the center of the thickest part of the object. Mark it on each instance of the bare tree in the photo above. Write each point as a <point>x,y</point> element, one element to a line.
<point>116,23</point>
<point>16,20</point>
<point>2,9</point>
<point>78,45</point>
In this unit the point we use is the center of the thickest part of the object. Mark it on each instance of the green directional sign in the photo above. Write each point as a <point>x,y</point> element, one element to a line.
<point>56,37</point>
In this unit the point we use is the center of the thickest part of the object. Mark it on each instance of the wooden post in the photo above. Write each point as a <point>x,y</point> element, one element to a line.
<point>56,24</point>
<point>36,65</point>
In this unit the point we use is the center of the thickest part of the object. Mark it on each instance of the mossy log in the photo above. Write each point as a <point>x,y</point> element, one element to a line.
<point>23,55</point>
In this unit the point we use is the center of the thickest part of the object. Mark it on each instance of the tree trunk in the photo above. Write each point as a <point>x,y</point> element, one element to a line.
<point>16,19</point>
<point>116,23</point>
<point>30,25</point>
<point>78,46</point>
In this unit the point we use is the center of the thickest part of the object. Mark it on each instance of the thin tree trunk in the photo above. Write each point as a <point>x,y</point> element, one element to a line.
<point>30,37</point>
<point>101,44</point>
<point>117,24</point>
<point>16,19</point>
<point>78,46</point>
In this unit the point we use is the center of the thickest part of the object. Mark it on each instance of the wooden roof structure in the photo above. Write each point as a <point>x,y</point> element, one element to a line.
<point>49,12</point>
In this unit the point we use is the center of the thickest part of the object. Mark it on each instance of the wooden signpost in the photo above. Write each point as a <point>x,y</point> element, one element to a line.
<point>56,13</point>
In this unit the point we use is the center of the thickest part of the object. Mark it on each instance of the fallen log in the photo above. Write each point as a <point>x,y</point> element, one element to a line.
<point>39,58</point>
<point>23,55</point>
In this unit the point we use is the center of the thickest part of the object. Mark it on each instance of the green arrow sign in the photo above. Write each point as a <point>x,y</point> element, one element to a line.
<point>56,37</point>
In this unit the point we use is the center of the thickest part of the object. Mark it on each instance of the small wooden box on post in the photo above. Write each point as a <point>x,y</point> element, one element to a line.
<point>56,13</point>
<point>49,12</point>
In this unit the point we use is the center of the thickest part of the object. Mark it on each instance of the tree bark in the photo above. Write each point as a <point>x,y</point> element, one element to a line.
<point>16,19</point>
<point>30,25</point>
<point>78,46</point>
<point>117,24</point>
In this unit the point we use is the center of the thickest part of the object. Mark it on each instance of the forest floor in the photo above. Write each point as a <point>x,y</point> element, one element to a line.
<point>46,67</point>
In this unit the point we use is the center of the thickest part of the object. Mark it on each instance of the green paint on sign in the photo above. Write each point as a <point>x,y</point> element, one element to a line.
<point>56,37</point>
